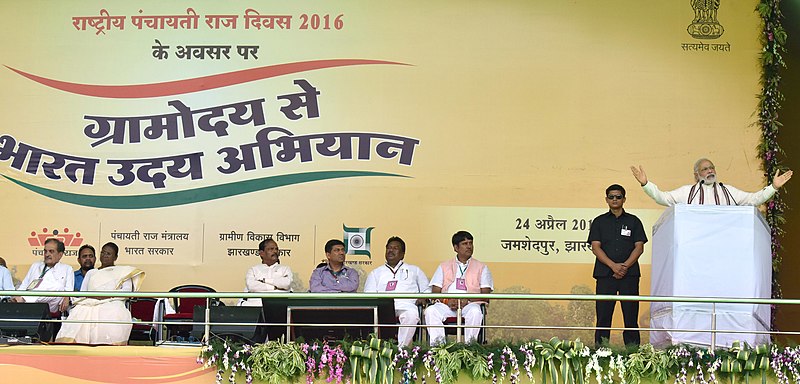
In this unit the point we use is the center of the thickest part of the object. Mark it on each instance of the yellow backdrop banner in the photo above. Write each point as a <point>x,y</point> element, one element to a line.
<point>188,131</point>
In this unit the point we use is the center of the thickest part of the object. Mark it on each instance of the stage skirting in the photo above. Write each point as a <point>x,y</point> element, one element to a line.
<point>102,364</point>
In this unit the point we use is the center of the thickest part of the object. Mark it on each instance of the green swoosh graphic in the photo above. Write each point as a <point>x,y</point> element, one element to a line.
<point>169,199</point>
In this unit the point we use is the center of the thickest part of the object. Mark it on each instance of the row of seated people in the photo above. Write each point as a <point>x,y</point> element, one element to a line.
<point>51,275</point>
<point>462,274</point>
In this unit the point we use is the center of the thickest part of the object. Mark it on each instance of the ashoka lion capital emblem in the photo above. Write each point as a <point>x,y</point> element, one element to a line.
<point>705,24</point>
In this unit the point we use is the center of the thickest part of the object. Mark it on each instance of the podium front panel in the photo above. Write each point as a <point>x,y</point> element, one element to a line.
<point>710,251</point>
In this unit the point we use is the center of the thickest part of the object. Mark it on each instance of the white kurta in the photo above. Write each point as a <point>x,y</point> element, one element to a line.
<point>681,195</point>
<point>407,279</point>
<point>59,278</point>
<point>266,278</point>
<point>116,278</point>
<point>6,282</point>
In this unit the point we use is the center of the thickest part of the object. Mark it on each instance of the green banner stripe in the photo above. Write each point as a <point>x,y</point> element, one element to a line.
<point>169,199</point>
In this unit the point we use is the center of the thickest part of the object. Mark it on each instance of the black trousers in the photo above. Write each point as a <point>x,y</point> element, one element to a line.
<point>605,309</point>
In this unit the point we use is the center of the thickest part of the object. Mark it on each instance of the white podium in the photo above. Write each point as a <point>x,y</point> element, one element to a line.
<point>710,251</point>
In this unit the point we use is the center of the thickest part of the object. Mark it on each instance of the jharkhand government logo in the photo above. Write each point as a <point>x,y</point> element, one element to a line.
<point>357,240</point>
<point>705,24</point>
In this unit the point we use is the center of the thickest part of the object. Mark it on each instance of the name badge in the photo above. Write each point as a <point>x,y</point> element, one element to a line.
<point>34,284</point>
<point>391,285</point>
<point>461,284</point>
<point>625,232</point>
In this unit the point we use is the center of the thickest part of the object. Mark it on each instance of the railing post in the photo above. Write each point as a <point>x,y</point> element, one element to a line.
<point>376,323</point>
<point>713,326</point>
<point>458,322</point>
<point>207,325</point>
<point>288,323</point>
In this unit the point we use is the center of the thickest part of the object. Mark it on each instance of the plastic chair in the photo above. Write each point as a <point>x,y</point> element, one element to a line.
<point>143,308</point>
<point>184,309</point>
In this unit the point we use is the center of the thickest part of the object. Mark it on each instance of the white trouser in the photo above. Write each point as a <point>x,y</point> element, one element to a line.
<point>408,315</point>
<point>251,302</point>
<point>437,313</point>
<point>53,302</point>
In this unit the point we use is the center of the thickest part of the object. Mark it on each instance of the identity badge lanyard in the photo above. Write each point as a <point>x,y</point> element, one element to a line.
<point>336,276</point>
<point>391,285</point>
<point>35,283</point>
<point>461,283</point>
<point>394,271</point>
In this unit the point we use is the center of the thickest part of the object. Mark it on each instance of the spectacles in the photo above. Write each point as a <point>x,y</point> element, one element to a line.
<point>615,197</point>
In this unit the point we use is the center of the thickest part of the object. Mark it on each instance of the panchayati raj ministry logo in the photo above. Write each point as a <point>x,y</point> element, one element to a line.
<point>38,238</point>
<point>357,240</point>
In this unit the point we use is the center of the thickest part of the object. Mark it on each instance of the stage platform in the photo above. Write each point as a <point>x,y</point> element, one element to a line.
<point>102,364</point>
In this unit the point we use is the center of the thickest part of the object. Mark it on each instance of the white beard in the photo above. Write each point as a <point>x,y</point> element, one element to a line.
<point>709,179</point>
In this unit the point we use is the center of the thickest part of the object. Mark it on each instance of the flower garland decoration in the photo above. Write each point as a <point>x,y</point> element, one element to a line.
<point>509,358</point>
<point>310,361</point>
<point>429,364</point>
<point>324,361</point>
<point>226,358</point>
<point>773,40</point>
<point>405,363</point>
<point>604,360</point>
<point>558,362</point>
<point>332,359</point>
<point>784,363</point>
<point>527,350</point>
<point>490,359</point>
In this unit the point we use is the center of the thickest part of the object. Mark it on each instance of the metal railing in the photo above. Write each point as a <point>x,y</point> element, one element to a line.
<point>714,301</point>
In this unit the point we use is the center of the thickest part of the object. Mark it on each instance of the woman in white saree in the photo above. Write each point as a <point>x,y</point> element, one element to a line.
<point>108,277</point>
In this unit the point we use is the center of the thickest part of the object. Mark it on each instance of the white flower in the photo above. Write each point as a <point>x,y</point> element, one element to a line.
<point>603,352</point>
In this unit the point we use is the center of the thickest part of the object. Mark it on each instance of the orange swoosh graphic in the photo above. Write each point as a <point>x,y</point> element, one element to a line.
<point>112,369</point>
<point>177,87</point>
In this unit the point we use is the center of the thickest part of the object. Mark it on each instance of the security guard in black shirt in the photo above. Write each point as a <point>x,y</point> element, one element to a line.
<point>617,239</point>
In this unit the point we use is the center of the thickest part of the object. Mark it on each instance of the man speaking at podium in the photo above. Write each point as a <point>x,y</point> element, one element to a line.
<point>706,190</point>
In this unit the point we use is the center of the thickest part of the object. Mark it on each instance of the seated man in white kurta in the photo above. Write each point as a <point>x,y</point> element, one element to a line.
<point>6,281</point>
<point>464,274</point>
<point>398,277</point>
<point>49,275</point>
<point>706,190</point>
<point>269,276</point>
